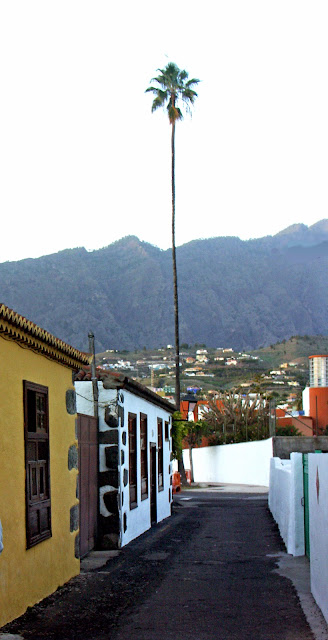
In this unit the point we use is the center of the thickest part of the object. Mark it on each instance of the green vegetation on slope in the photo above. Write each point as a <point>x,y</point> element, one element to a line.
<point>296,349</point>
<point>232,293</point>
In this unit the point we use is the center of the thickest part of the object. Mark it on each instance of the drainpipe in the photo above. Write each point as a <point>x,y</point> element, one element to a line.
<point>93,373</point>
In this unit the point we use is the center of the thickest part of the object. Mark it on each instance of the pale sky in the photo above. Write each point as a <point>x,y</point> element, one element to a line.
<point>84,162</point>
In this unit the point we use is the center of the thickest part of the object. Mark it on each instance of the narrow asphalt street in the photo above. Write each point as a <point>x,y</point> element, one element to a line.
<point>207,573</point>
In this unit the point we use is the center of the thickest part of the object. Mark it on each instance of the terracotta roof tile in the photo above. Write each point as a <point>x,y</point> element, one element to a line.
<point>119,380</point>
<point>15,327</point>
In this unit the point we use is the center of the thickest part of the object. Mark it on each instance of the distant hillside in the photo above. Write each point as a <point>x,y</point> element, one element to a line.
<point>243,294</point>
<point>297,349</point>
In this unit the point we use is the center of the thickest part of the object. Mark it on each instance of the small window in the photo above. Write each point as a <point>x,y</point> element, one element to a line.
<point>160,454</point>
<point>36,429</point>
<point>132,422</point>
<point>167,430</point>
<point>143,455</point>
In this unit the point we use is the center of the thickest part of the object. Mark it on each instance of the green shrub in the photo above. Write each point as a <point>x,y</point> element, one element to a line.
<point>288,431</point>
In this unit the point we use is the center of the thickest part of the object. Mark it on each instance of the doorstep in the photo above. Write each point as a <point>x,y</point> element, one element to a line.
<point>95,560</point>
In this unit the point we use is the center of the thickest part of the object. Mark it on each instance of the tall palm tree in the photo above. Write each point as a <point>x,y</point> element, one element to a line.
<point>172,87</point>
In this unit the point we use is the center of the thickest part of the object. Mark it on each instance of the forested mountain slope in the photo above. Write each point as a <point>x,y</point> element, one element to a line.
<point>236,293</point>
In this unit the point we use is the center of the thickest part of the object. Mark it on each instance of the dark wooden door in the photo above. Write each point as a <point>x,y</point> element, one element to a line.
<point>88,481</point>
<point>153,484</point>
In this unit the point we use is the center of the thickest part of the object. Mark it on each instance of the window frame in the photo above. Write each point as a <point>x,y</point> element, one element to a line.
<point>133,480</point>
<point>160,455</point>
<point>144,481</point>
<point>37,463</point>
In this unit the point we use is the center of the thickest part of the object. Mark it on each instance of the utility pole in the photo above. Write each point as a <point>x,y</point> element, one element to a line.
<point>93,373</point>
<point>272,418</point>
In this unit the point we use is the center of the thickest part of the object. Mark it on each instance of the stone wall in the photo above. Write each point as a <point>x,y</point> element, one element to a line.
<point>283,446</point>
<point>109,519</point>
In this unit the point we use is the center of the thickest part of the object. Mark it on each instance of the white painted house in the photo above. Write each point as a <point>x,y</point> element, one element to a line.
<point>135,471</point>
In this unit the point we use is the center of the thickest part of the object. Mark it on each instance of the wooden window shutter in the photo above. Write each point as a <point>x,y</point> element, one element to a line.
<point>160,454</point>
<point>132,426</point>
<point>143,455</point>
<point>37,463</point>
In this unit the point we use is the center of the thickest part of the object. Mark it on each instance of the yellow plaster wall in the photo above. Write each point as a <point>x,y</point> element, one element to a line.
<point>27,576</point>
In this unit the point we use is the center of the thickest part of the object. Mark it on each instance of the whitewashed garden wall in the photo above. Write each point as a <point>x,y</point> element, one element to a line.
<point>241,463</point>
<point>285,501</point>
<point>318,502</point>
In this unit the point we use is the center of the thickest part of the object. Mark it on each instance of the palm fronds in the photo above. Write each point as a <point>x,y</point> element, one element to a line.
<point>170,87</point>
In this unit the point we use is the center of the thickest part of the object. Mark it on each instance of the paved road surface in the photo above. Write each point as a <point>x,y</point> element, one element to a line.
<point>207,573</point>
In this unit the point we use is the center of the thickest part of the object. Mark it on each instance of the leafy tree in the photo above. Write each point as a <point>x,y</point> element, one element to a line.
<point>186,431</point>
<point>171,88</point>
<point>178,433</point>
<point>194,432</point>
<point>236,418</point>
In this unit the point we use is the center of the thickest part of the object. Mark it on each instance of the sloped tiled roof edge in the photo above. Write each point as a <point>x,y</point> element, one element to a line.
<point>15,327</point>
<point>139,390</point>
<point>116,380</point>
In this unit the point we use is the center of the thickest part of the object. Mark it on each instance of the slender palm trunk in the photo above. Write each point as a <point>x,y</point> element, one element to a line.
<point>175,279</point>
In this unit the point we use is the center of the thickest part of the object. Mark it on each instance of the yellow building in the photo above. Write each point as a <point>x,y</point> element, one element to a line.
<point>38,464</point>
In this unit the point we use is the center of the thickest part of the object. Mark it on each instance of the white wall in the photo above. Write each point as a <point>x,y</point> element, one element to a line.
<point>318,503</point>
<point>285,495</point>
<point>84,400</point>
<point>285,501</point>
<point>138,520</point>
<point>306,401</point>
<point>242,463</point>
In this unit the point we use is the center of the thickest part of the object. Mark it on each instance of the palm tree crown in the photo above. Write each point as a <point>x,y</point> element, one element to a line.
<point>173,85</point>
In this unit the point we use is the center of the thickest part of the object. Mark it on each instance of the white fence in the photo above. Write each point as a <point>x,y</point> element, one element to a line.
<point>286,498</point>
<point>318,503</point>
<point>242,463</point>
<point>285,501</point>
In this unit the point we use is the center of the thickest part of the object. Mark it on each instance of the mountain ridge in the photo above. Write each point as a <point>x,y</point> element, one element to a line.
<point>244,292</point>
